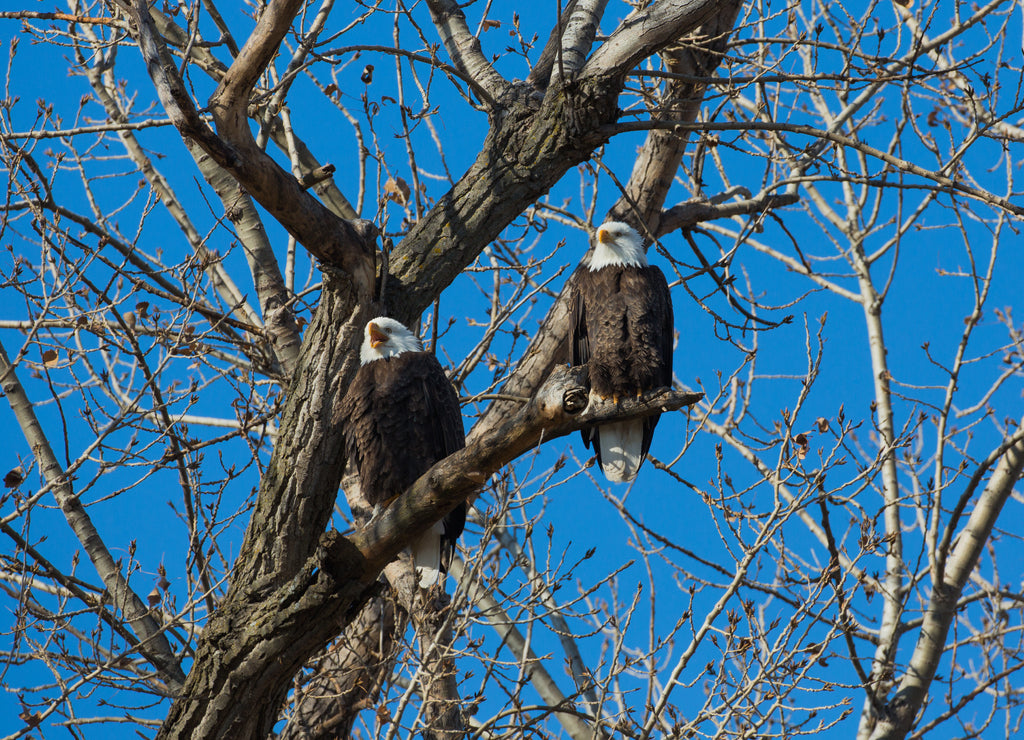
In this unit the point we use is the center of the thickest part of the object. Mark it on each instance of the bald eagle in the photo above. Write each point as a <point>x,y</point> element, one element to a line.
<point>401,415</point>
<point>621,314</point>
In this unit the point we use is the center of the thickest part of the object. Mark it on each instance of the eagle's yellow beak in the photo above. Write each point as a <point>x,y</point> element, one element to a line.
<point>377,337</point>
<point>604,236</point>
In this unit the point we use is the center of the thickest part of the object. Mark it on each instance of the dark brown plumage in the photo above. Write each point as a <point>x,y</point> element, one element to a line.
<point>622,328</point>
<point>401,415</point>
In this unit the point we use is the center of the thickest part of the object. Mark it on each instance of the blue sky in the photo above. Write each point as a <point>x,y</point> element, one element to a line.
<point>924,305</point>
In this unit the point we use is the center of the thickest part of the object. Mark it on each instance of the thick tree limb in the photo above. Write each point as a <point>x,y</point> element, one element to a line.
<point>556,410</point>
<point>646,31</point>
<point>526,152</point>
<point>442,704</point>
<point>348,678</point>
<point>250,650</point>
<point>431,617</point>
<point>300,485</point>
<point>232,95</point>
<point>264,632</point>
<point>559,408</point>
<point>357,665</point>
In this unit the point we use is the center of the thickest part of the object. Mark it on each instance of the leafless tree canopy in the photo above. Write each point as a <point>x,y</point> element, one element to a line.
<point>204,206</point>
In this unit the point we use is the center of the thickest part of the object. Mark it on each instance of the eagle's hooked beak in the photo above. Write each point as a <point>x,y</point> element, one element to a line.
<point>377,337</point>
<point>604,236</point>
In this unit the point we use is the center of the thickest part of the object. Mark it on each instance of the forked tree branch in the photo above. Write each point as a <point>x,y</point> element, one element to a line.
<point>252,649</point>
<point>347,245</point>
<point>277,319</point>
<point>464,49</point>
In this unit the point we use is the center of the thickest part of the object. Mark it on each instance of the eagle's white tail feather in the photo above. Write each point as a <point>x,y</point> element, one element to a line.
<point>426,555</point>
<point>620,449</point>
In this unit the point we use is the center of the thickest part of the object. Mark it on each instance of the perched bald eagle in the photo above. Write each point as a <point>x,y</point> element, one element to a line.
<point>401,416</point>
<point>621,314</point>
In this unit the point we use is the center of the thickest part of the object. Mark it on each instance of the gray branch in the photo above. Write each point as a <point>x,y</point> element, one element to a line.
<point>903,708</point>
<point>153,644</point>
<point>335,241</point>
<point>510,635</point>
<point>560,407</point>
<point>646,31</point>
<point>694,212</point>
<point>580,32</point>
<point>464,49</point>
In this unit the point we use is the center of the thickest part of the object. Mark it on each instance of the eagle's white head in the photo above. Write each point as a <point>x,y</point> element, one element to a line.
<point>616,243</point>
<point>384,337</point>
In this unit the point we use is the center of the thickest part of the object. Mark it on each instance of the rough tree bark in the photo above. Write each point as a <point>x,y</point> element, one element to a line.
<point>284,574</point>
<point>295,586</point>
<point>348,678</point>
<point>260,636</point>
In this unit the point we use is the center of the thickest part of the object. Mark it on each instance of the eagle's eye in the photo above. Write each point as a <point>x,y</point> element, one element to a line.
<point>388,330</point>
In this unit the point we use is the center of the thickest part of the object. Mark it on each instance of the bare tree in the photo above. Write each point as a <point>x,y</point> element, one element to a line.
<point>202,216</point>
